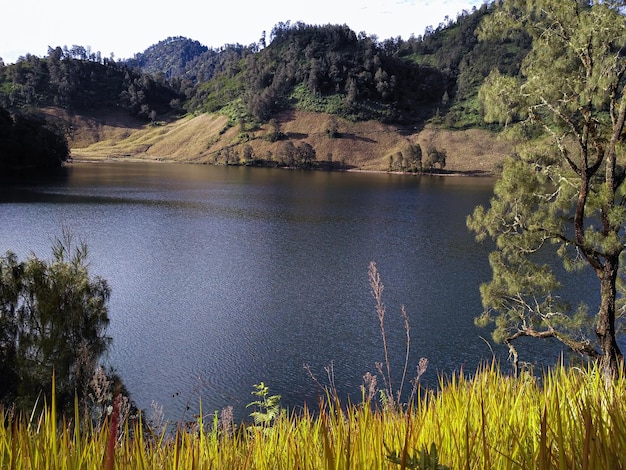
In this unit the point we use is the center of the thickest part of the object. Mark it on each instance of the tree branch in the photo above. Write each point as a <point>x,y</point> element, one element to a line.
<point>618,129</point>
<point>580,347</point>
<point>534,117</point>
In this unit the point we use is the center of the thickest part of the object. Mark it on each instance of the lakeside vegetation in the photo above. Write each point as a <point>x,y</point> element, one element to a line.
<point>565,419</point>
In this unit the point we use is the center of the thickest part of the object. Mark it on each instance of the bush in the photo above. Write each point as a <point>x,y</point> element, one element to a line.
<point>53,319</point>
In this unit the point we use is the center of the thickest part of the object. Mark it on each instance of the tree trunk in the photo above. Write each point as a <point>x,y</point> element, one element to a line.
<point>611,358</point>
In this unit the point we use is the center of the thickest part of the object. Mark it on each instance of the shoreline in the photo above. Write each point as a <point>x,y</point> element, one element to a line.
<point>440,173</point>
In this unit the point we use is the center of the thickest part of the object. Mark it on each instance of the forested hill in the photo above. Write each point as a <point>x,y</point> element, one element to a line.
<point>326,68</point>
<point>313,68</point>
<point>169,57</point>
<point>79,80</point>
<point>332,69</point>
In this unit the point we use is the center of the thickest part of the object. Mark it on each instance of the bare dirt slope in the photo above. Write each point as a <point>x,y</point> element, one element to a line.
<point>206,138</point>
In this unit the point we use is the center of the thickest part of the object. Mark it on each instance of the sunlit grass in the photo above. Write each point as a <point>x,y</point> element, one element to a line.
<point>180,140</point>
<point>569,420</point>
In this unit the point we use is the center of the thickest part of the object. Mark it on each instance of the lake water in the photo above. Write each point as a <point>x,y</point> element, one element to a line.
<point>223,277</point>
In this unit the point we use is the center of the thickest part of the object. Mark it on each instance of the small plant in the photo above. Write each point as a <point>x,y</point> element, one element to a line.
<point>423,460</point>
<point>268,406</point>
<point>389,396</point>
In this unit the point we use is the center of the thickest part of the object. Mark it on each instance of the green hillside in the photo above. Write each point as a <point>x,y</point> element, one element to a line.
<point>323,69</point>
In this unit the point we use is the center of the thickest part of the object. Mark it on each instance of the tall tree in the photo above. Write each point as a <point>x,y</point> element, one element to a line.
<point>564,190</point>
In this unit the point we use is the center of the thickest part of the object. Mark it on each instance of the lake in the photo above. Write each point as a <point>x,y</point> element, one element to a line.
<point>223,277</point>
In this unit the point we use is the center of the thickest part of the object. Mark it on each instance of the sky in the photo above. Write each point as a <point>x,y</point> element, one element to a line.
<point>126,27</point>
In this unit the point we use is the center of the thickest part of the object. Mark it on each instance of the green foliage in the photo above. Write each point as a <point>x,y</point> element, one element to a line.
<point>499,97</point>
<point>454,49</point>
<point>413,155</point>
<point>53,317</point>
<point>563,194</point>
<point>268,406</point>
<point>435,157</point>
<point>274,133</point>
<point>423,460</point>
<point>220,95</point>
<point>80,80</point>
<point>307,100</point>
<point>569,420</point>
<point>322,68</point>
<point>315,68</point>
<point>235,111</point>
<point>169,57</point>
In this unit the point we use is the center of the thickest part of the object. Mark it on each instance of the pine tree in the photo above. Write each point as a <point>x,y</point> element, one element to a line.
<point>563,192</point>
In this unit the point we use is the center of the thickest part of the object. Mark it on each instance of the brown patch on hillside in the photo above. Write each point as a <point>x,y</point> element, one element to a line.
<point>85,130</point>
<point>363,145</point>
<point>184,140</point>
<point>207,138</point>
<point>468,151</point>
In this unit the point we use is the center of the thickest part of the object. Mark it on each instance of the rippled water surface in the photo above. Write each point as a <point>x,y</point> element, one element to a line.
<point>225,277</point>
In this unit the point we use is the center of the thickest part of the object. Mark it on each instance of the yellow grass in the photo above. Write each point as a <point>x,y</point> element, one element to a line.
<point>186,139</point>
<point>570,421</point>
<point>198,139</point>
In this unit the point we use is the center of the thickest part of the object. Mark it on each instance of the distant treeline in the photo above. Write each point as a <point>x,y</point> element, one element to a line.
<point>327,68</point>
<point>330,68</point>
<point>80,80</point>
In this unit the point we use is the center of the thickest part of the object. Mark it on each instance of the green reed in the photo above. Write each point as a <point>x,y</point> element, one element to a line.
<point>568,420</point>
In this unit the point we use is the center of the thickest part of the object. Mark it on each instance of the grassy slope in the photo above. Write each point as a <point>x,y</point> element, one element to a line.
<point>364,145</point>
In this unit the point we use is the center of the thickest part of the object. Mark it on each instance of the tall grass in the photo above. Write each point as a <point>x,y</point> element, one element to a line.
<point>569,420</point>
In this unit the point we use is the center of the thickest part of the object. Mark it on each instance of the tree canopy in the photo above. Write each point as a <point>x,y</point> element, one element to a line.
<point>564,191</point>
<point>168,57</point>
<point>81,81</point>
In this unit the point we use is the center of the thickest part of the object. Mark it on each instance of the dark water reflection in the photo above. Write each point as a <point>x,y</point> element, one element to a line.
<point>225,277</point>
